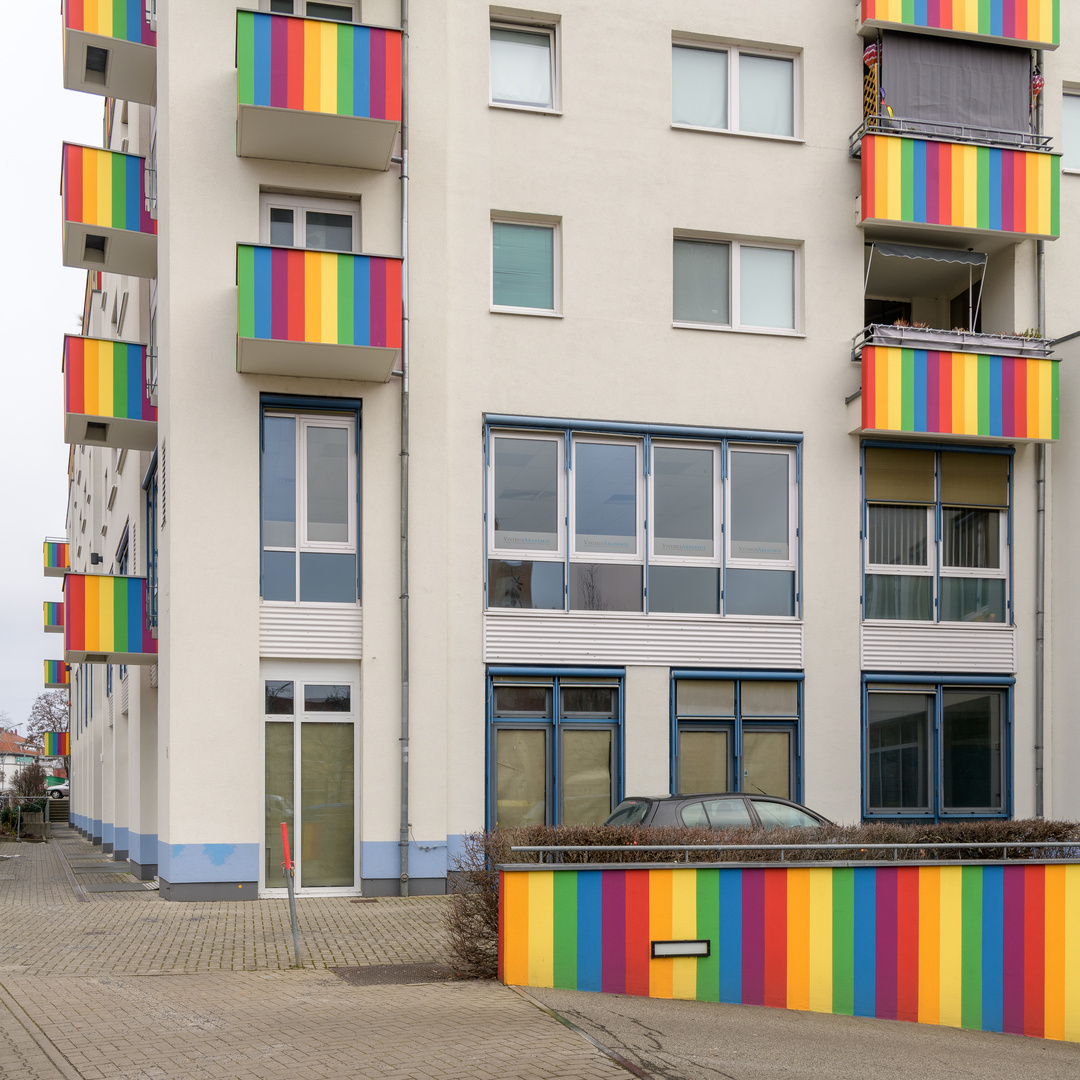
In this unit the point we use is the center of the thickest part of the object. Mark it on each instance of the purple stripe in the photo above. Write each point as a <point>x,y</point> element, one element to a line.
<point>932,181</point>
<point>378,75</point>
<point>613,933</point>
<point>279,63</point>
<point>885,969</point>
<point>1012,997</point>
<point>933,395</point>
<point>1008,396</point>
<point>279,294</point>
<point>378,302</point>
<point>753,938</point>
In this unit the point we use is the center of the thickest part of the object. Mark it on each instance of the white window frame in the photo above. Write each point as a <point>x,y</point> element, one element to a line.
<point>717,558</point>
<point>528,554</point>
<point>300,205</point>
<point>733,53</point>
<point>555,225</point>
<point>637,558</point>
<point>1003,548</point>
<point>902,570</point>
<point>735,246</point>
<point>527,25</point>
<point>1073,92</point>
<point>792,561</point>
<point>264,5</point>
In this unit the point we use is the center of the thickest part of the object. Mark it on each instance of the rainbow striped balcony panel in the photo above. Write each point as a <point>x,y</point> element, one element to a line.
<point>54,617</point>
<point>319,314</point>
<point>56,675</point>
<point>107,222</point>
<point>106,399</point>
<point>105,620</point>
<point>57,558</point>
<point>921,183</point>
<point>110,49</point>
<point>987,947</point>
<point>923,392</point>
<point>1034,24</point>
<point>56,743</point>
<point>314,90</point>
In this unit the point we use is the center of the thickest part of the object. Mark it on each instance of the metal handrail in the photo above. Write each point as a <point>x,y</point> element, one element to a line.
<point>944,131</point>
<point>969,338</point>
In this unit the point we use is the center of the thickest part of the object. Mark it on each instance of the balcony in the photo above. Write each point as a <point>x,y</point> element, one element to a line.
<point>56,675</point>
<point>57,558</point>
<point>110,49</point>
<point>925,184</point>
<point>107,222</point>
<point>923,382</point>
<point>318,91</point>
<point>54,617</point>
<point>106,620</point>
<point>317,314</point>
<point>106,395</point>
<point>1033,24</point>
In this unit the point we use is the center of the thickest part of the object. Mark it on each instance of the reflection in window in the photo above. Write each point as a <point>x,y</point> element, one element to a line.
<point>327,698</point>
<point>521,67</point>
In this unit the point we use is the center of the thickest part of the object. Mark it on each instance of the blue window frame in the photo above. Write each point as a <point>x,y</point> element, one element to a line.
<point>310,499</point>
<point>737,731</point>
<point>937,747</point>
<point>593,516</point>
<point>150,486</point>
<point>555,747</point>
<point>122,562</point>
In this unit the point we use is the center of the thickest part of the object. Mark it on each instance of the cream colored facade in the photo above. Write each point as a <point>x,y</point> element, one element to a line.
<point>169,761</point>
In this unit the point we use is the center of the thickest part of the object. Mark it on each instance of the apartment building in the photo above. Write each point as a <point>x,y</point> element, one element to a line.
<point>484,413</point>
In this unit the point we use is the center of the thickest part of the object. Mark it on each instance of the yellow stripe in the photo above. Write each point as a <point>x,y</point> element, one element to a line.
<point>1054,986</point>
<point>661,972</point>
<point>329,281</point>
<point>516,928</point>
<point>896,390</point>
<point>541,927</point>
<point>971,17</point>
<point>328,67</point>
<point>684,928</point>
<point>929,943</point>
<point>1032,373</point>
<point>1072,953</point>
<point>895,182</point>
<point>103,211</point>
<point>952,941</point>
<point>798,938</point>
<point>821,890</point>
<point>312,64</point>
<point>312,296</point>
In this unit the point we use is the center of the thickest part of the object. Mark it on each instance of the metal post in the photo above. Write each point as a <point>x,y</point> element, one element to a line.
<point>289,870</point>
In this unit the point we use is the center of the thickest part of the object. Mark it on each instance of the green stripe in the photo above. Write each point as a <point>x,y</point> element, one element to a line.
<point>1055,191</point>
<point>983,190</point>
<point>119,192</point>
<point>346,313</point>
<point>1054,375</point>
<point>907,180</point>
<point>245,279</point>
<point>120,614</point>
<point>984,16</point>
<point>345,38</point>
<point>908,15</point>
<point>564,939</point>
<point>907,389</point>
<point>984,393</point>
<point>708,904</point>
<point>843,928</point>
<point>245,56</point>
<point>971,948</point>
<point>119,19</point>
<point>119,381</point>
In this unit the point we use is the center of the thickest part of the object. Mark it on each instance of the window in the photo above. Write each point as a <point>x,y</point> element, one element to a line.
<point>1070,130</point>
<point>570,531</point>
<point>523,66</point>
<point>936,535</point>
<point>936,750</point>
<point>339,11</point>
<point>150,486</point>
<point>309,507</point>
<point>314,224</point>
<point>736,734</point>
<point>524,257</point>
<point>734,284</point>
<point>749,92</point>
<point>555,748</point>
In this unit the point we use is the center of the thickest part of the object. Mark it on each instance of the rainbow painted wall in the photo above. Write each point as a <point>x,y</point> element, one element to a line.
<point>54,616</point>
<point>316,66</point>
<point>919,182</point>
<point>1017,20</point>
<point>287,294</point>
<point>105,614</point>
<point>990,947</point>
<point>56,743</point>
<point>56,674</point>
<point>106,378</point>
<point>950,393</point>
<point>56,558</point>
<point>124,20</point>
<point>106,189</point>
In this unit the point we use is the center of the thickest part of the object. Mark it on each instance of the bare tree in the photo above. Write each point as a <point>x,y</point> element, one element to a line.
<point>30,780</point>
<point>48,713</point>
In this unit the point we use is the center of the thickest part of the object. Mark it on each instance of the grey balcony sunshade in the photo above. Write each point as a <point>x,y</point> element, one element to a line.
<point>912,251</point>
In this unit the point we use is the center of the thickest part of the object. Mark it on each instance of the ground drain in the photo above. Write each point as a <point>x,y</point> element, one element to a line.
<point>396,974</point>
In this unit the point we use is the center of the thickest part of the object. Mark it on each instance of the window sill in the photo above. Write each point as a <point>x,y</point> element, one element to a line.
<point>525,311</point>
<point>524,108</point>
<point>662,616</point>
<point>767,331</point>
<point>973,625</point>
<point>797,140</point>
<point>1071,172</point>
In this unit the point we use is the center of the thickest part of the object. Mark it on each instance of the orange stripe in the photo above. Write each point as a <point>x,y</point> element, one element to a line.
<point>516,929</point>
<point>929,944</point>
<point>661,972</point>
<point>798,939</point>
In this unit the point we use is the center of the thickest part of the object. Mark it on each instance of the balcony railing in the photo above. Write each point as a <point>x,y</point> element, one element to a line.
<point>319,314</point>
<point>315,90</point>
<point>107,401</point>
<point>925,337</point>
<point>56,675</point>
<point>54,617</point>
<point>110,49</point>
<point>1030,23</point>
<point>106,620</point>
<point>921,183</point>
<point>944,131</point>
<point>107,222</point>
<point>57,558</point>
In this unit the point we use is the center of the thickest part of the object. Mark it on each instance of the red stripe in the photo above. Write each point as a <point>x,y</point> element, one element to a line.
<point>1034,949</point>
<point>393,76</point>
<point>76,17</point>
<point>776,938</point>
<point>295,276</point>
<point>907,943</point>
<point>74,612</point>
<point>1020,18</point>
<point>296,64</point>
<point>76,375</point>
<point>637,934</point>
<point>1020,401</point>
<point>944,183</point>
<point>944,393</point>
<point>73,183</point>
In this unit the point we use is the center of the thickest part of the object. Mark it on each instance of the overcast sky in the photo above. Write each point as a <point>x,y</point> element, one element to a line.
<point>41,302</point>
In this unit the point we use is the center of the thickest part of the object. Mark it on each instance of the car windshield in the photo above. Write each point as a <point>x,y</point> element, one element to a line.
<point>781,816</point>
<point>628,813</point>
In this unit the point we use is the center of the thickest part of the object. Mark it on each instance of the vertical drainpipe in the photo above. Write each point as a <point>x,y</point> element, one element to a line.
<point>403,840</point>
<point>1040,517</point>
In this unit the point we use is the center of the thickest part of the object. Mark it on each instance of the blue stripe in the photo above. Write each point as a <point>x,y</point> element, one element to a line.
<point>261,60</point>
<point>729,937</point>
<point>997,27</point>
<point>262,286</point>
<point>135,396</point>
<point>361,300</point>
<point>136,615</point>
<point>133,29</point>
<point>995,190</point>
<point>132,191</point>
<point>361,97</point>
<point>993,923</point>
<point>589,931</point>
<point>995,394</point>
<point>865,943</point>
<point>918,201</point>
<point>920,12</point>
<point>919,417</point>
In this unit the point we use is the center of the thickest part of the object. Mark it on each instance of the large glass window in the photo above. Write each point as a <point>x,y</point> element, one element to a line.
<point>555,749</point>
<point>574,533</point>
<point>309,508</point>
<point>936,544</point>
<point>1070,131</point>
<point>310,222</point>
<point>523,66</point>
<point>736,734</point>
<point>935,750</point>
<point>523,265</point>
